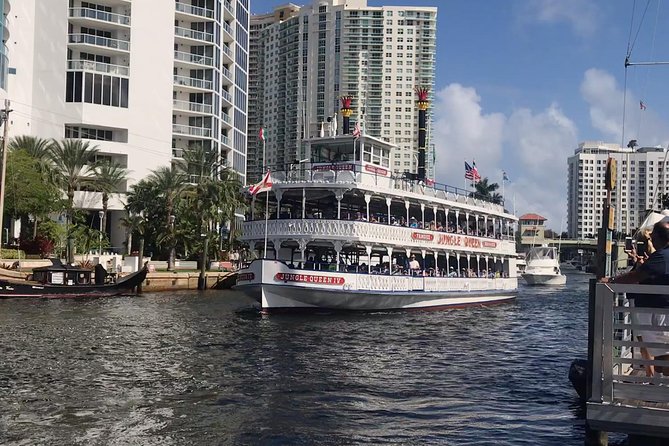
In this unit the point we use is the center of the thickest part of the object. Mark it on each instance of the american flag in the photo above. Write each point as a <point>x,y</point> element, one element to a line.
<point>357,131</point>
<point>471,173</point>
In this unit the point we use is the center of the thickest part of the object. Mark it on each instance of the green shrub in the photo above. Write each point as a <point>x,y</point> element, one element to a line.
<point>12,254</point>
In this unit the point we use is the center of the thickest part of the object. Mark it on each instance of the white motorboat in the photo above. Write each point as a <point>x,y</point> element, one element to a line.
<point>543,267</point>
<point>341,231</point>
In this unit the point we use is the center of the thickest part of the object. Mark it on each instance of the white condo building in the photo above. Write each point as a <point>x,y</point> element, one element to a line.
<point>303,59</point>
<point>641,181</point>
<point>142,81</point>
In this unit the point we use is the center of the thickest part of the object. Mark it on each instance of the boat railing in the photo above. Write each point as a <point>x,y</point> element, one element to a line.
<point>380,178</point>
<point>625,343</point>
<point>377,233</point>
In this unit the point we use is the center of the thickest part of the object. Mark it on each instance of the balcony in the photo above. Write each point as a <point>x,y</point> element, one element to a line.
<point>194,59</point>
<point>182,8</point>
<point>228,30</point>
<point>227,74</point>
<point>227,96</point>
<point>226,118</point>
<point>193,107</point>
<point>93,15</point>
<point>105,43</point>
<point>226,141</point>
<point>228,52</point>
<point>190,82</point>
<point>187,130</point>
<point>228,8</point>
<point>98,67</point>
<point>193,34</point>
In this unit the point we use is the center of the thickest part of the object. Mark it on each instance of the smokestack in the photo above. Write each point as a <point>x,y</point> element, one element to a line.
<point>346,112</point>
<point>422,103</point>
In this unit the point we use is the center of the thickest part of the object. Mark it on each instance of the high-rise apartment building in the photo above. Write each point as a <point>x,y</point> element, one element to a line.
<point>144,82</point>
<point>641,181</point>
<point>305,59</point>
<point>5,8</point>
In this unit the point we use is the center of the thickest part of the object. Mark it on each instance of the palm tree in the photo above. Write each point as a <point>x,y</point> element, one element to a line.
<point>108,177</point>
<point>38,148</point>
<point>135,223</point>
<point>200,161</point>
<point>169,182</point>
<point>487,191</point>
<point>73,161</point>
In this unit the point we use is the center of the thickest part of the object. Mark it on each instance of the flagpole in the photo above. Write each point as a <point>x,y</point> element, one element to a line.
<point>503,186</point>
<point>264,166</point>
<point>266,219</point>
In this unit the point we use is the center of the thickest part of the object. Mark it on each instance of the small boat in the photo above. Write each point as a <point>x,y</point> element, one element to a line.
<point>60,280</point>
<point>572,266</point>
<point>543,267</point>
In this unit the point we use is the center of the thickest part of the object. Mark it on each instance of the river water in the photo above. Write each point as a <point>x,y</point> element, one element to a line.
<point>207,369</point>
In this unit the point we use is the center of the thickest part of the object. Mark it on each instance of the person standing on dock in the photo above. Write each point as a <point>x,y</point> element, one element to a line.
<point>653,271</point>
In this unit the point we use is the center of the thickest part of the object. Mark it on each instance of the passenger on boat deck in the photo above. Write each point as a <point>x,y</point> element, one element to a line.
<point>653,271</point>
<point>414,266</point>
<point>413,223</point>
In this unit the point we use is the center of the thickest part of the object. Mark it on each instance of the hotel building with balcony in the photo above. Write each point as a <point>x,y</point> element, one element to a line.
<point>303,59</point>
<point>642,179</point>
<point>5,9</point>
<point>141,82</point>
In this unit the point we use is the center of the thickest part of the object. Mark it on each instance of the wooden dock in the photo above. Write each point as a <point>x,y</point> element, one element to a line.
<point>621,397</point>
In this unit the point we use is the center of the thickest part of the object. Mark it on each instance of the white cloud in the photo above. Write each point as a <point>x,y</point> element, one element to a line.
<point>531,147</point>
<point>581,15</point>
<point>605,99</point>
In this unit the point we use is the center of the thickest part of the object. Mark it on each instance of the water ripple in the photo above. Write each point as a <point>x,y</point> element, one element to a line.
<point>189,368</point>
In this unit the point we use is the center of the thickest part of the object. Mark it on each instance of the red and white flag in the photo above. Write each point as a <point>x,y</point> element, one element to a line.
<point>261,134</point>
<point>357,131</point>
<point>263,186</point>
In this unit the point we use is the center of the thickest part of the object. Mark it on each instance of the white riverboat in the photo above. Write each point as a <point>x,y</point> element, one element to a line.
<point>339,231</point>
<point>543,267</point>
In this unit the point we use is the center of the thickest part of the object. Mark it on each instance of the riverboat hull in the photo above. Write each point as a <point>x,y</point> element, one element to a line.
<point>275,286</point>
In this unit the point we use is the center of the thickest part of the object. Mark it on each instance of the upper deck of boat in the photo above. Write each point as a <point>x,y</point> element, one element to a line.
<point>344,162</point>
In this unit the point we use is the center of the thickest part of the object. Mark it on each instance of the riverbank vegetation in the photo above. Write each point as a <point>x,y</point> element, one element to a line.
<point>182,209</point>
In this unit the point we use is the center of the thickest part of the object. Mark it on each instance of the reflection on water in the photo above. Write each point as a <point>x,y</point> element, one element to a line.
<point>189,368</point>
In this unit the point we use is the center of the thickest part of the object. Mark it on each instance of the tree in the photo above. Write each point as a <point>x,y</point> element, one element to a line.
<point>169,183</point>
<point>487,191</point>
<point>27,196</point>
<point>37,148</point>
<point>135,223</point>
<point>73,161</point>
<point>108,177</point>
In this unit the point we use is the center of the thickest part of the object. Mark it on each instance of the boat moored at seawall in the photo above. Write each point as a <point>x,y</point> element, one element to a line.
<point>339,230</point>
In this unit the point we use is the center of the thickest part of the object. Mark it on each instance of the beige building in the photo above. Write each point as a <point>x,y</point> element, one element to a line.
<point>303,59</point>
<point>532,229</point>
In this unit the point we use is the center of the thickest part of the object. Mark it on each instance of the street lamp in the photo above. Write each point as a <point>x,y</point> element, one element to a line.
<point>100,214</point>
<point>172,254</point>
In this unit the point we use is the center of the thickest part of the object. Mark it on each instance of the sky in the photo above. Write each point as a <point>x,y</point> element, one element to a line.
<point>520,83</point>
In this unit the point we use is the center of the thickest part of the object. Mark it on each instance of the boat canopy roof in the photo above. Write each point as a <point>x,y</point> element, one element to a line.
<point>542,252</point>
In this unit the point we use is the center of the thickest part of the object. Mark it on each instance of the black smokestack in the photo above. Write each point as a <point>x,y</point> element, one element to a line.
<point>346,112</point>
<point>423,103</point>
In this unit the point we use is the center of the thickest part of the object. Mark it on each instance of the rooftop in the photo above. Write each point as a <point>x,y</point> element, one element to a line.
<point>532,217</point>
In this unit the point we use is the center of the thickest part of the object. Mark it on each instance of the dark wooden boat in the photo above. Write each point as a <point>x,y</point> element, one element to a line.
<point>59,280</point>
